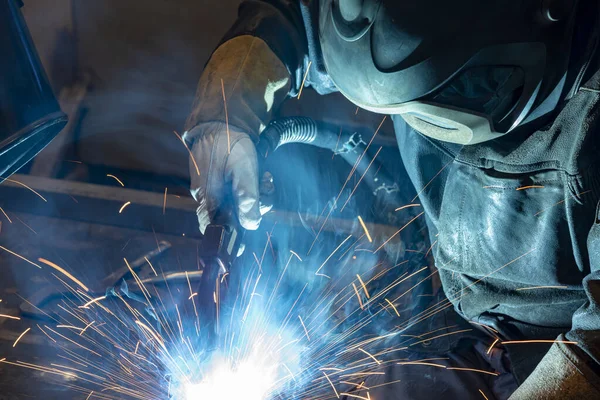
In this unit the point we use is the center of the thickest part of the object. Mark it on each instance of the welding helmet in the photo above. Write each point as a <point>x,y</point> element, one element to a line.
<point>30,116</point>
<point>463,71</point>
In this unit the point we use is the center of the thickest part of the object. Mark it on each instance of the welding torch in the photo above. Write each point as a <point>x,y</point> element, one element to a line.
<point>223,238</point>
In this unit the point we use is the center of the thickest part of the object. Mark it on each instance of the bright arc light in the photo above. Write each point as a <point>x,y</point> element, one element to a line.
<point>251,379</point>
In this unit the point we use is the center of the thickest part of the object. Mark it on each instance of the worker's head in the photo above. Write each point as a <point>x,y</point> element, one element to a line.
<point>462,71</point>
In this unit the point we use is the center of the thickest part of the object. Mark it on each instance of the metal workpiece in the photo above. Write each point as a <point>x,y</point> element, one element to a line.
<point>30,116</point>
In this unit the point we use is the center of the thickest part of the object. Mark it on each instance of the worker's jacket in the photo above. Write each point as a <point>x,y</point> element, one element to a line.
<point>514,222</point>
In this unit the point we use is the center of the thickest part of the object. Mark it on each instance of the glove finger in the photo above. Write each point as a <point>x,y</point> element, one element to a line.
<point>206,188</point>
<point>267,193</point>
<point>242,165</point>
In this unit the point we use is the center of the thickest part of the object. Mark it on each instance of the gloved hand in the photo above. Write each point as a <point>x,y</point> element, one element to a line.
<point>242,83</point>
<point>227,166</point>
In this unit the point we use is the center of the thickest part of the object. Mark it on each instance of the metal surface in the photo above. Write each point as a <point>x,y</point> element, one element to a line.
<point>34,307</point>
<point>100,204</point>
<point>105,201</point>
<point>30,116</point>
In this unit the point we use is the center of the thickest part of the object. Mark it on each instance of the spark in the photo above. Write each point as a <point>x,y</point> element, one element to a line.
<point>224,276</point>
<point>19,256</point>
<point>86,327</point>
<point>123,207</point>
<point>27,226</point>
<point>542,287</point>
<point>358,295</point>
<point>72,341</point>
<point>432,179</point>
<point>90,395</point>
<point>151,266</point>
<point>152,333</point>
<point>334,251</point>
<point>394,307</point>
<point>492,346</point>
<point>27,187</point>
<point>484,326</point>
<point>192,295</point>
<point>337,144</point>
<point>189,152</point>
<point>370,355</point>
<point>20,336</point>
<point>530,187</point>
<point>304,79</point>
<point>362,223</point>
<point>442,335</point>
<point>97,299</point>
<point>226,117</point>
<point>115,178</point>
<point>546,209</point>
<point>430,248</point>
<point>187,277</point>
<point>558,203</point>
<point>304,326</point>
<point>64,272</point>
<point>165,202</point>
<point>355,396</point>
<point>48,336</point>
<point>362,373</point>
<point>344,185</point>
<point>422,363</point>
<point>6,215</point>
<point>361,178</point>
<point>407,206</point>
<point>474,370</point>
<point>296,254</point>
<point>430,359</point>
<point>363,286</point>
<point>331,383</point>
<point>257,261</point>
<point>398,231</point>
<point>483,394</point>
<point>69,327</point>
<point>360,385</point>
<point>538,341</point>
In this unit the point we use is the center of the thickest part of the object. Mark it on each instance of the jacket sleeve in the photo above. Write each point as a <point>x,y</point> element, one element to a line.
<point>258,63</point>
<point>280,24</point>
<point>571,369</point>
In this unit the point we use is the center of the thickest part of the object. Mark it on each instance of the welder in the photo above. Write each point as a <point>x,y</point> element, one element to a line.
<point>494,105</point>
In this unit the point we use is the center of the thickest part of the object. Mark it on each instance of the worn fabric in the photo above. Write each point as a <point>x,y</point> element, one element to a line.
<point>242,84</point>
<point>239,89</point>
<point>224,166</point>
<point>465,372</point>
<point>510,218</point>
<point>560,375</point>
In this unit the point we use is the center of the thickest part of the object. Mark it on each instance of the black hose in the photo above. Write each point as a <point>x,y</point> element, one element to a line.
<point>347,143</point>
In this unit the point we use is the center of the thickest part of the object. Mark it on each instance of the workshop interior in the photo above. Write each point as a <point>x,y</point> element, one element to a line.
<point>108,201</point>
<point>112,287</point>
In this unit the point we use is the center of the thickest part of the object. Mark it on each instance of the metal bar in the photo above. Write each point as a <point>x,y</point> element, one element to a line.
<point>101,204</point>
